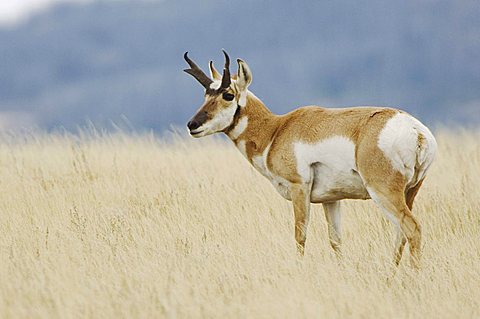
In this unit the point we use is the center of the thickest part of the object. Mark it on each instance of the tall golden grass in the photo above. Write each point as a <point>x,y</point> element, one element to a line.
<point>125,226</point>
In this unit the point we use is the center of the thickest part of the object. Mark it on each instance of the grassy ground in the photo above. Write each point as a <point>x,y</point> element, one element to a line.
<point>130,226</point>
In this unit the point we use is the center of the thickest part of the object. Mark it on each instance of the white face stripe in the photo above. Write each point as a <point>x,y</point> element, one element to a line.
<point>239,128</point>
<point>219,122</point>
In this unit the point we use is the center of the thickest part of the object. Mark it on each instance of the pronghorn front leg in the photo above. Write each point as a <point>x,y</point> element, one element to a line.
<point>300,194</point>
<point>332,214</point>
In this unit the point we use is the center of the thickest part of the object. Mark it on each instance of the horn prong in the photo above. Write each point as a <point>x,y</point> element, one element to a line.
<point>213,72</point>
<point>197,73</point>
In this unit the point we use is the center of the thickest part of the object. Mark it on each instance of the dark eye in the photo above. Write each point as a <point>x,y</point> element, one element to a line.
<point>228,96</point>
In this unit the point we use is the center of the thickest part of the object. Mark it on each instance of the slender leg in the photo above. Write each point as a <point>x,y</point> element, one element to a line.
<point>400,242</point>
<point>401,239</point>
<point>332,214</point>
<point>301,207</point>
<point>411,193</point>
<point>395,208</point>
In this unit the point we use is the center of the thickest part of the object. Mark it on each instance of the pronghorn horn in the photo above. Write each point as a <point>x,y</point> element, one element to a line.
<point>197,73</point>
<point>214,73</point>
<point>226,81</point>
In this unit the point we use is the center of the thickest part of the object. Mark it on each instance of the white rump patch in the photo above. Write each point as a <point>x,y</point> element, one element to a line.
<point>399,142</point>
<point>337,152</point>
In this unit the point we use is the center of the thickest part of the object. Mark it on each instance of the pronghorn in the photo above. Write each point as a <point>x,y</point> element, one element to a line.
<point>322,155</point>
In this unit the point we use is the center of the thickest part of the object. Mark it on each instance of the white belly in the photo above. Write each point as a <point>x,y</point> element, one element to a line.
<point>331,184</point>
<point>330,165</point>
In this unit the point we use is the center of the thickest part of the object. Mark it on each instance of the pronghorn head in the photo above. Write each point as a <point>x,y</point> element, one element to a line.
<point>224,96</point>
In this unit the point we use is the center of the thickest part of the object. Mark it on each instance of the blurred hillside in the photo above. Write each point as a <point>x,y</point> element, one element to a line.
<point>105,59</point>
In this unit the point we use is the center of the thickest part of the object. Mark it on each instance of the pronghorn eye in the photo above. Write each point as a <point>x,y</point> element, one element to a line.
<point>228,96</point>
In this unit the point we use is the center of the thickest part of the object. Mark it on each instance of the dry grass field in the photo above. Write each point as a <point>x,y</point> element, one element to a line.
<point>125,226</point>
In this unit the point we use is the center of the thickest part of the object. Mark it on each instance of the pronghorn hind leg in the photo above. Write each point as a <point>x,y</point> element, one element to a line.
<point>386,186</point>
<point>300,194</point>
<point>395,207</point>
<point>400,242</point>
<point>332,215</point>
<point>411,193</point>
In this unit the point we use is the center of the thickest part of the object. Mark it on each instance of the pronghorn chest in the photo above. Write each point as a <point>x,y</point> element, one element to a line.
<point>281,184</point>
<point>259,162</point>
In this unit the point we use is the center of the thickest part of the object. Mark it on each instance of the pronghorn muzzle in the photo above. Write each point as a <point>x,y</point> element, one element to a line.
<point>198,120</point>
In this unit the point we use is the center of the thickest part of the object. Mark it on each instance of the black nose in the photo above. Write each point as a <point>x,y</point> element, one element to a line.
<point>197,120</point>
<point>193,125</point>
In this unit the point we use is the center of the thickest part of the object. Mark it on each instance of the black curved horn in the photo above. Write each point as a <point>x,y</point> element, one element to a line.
<point>226,81</point>
<point>197,73</point>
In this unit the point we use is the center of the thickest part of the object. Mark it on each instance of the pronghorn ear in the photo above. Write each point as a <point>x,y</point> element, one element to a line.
<point>244,75</point>
<point>213,72</point>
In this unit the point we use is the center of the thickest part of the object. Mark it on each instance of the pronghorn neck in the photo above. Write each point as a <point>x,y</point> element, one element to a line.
<point>254,124</point>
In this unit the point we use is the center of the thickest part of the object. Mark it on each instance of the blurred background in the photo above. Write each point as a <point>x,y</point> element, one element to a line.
<point>65,63</point>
